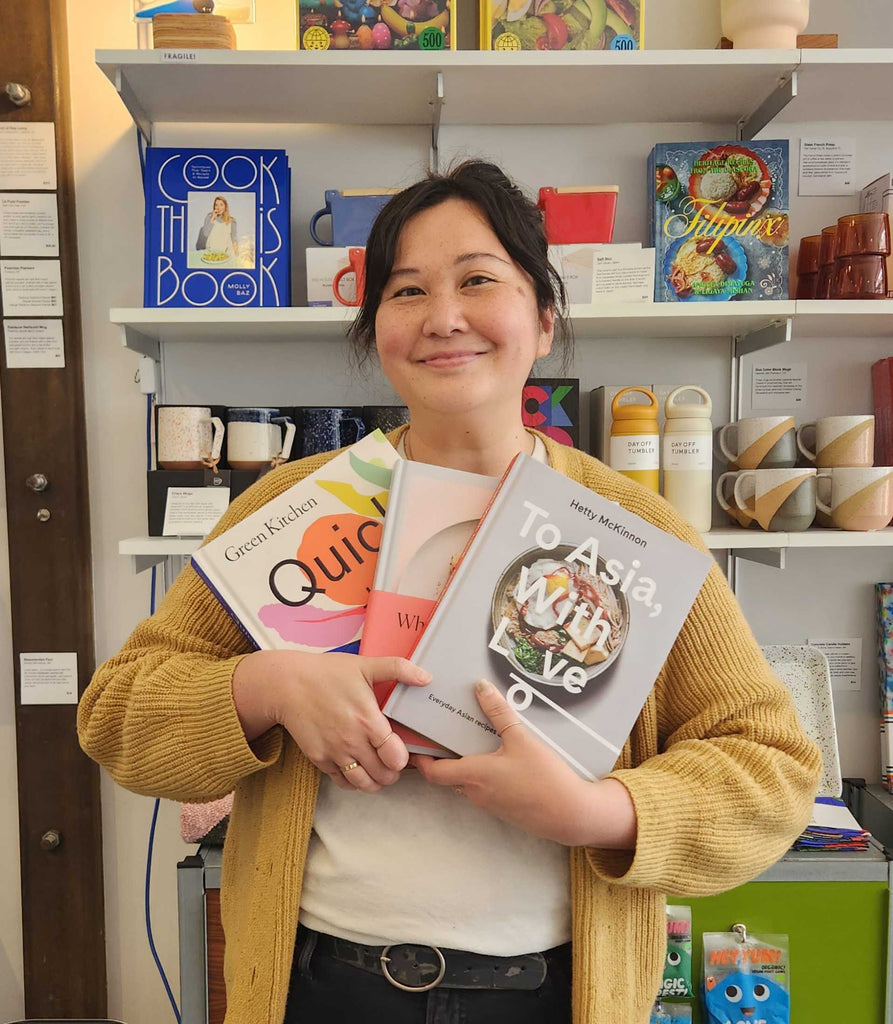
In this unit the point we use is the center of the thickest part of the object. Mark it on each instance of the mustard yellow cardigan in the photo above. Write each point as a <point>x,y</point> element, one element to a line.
<point>720,773</point>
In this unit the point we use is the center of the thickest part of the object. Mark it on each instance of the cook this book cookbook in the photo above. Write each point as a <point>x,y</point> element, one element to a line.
<point>217,227</point>
<point>296,574</point>
<point>569,604</point>
<point>432,513</point>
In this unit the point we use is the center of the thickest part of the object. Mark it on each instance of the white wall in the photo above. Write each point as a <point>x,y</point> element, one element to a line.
<point>109,204</point>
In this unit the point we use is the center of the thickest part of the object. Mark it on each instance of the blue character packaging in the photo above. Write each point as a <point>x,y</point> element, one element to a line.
<point>217,227</point>
<point>719,221</point>
<point>746,981</point>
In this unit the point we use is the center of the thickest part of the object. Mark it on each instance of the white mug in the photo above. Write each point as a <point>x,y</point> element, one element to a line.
<point>255,438</point>
<point>188,436</point>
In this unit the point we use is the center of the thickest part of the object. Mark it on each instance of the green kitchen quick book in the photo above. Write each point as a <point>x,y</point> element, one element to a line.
<point>569,604</point>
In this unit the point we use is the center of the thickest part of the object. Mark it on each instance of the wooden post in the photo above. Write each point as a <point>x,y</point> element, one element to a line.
<point>50,580</point>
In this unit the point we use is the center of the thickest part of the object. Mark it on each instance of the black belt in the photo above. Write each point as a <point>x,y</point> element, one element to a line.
<point>417,968</point>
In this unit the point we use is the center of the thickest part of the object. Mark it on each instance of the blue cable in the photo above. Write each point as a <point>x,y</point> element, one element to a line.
<point>154,951</point>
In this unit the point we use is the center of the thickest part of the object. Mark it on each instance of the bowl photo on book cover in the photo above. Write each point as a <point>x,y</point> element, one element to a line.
<point>731,181</point>
<point>694,274</point>
<point>534,628</point>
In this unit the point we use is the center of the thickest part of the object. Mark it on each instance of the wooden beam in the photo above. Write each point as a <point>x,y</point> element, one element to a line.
<point>50,582</point>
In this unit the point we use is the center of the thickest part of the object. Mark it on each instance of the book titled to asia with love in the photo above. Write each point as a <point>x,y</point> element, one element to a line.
<point>569,604</point>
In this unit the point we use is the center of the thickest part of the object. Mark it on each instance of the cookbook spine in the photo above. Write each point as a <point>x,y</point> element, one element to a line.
<point>228,603</point>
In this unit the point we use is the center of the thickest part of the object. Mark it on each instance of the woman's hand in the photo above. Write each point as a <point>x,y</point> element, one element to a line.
<point>326,703</point>
<point>213,216</point>
<point>527,784</point>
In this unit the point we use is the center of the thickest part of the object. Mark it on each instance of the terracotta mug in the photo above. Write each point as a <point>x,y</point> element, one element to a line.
<point>357,267</point>
<point>838,441</point>
<point>778,499</point>
<point>861,497</point>
<point>759,442</point>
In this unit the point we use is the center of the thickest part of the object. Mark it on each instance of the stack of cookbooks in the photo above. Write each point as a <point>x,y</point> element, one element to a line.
<point>832,827</point>
<point>568,602</point>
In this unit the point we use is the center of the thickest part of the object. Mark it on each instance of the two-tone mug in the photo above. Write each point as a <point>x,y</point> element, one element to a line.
<point>779,499</point>
<point>188,436</point>
<point>256,438</point>
<point>861,496</point>
<point>725,495</point>
<point>759,442</point>
<point>838,441</point>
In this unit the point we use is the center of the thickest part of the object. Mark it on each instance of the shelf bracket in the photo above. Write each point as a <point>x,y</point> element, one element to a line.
<point>128,98</point>
<point>775,333</point>
<point>136,341</point>
<point>437,103</point>
<point>774,557</point>
<point>140,563</point>
<point>749,127</point>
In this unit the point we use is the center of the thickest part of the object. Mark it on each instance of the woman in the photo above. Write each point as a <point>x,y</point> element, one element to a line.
<point>218,233</point>
<point>509,862</point>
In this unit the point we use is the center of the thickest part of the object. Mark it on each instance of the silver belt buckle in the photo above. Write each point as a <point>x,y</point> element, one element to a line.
<point>385,960</point>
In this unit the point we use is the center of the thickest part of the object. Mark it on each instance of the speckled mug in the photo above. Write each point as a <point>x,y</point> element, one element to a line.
<point>188,436</point>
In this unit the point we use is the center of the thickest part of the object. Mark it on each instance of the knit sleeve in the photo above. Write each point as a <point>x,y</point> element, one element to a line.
<point>159,716</point>
<point>736,777</point>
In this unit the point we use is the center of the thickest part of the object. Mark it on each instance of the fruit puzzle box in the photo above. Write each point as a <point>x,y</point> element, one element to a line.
<point>719,220</point>
<point>376,24</point>
<point>562,24</point>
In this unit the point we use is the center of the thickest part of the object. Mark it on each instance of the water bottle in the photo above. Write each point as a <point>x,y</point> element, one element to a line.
<point>688,456</point>
<point>635,440</point>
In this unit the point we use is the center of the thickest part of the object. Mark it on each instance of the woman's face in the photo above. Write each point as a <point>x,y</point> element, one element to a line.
<point>219,206</point>
<point>458,327</point>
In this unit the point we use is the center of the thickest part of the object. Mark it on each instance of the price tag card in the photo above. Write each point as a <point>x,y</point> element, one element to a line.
<point>193,511</point>
<point>623,274</point>
<point>49,678</point>
<point>34,344</point>
<point>844,660</point>
<point>29,224</point>
<point>827,167</point>
<point>27,155</point>
<point>31,287</point>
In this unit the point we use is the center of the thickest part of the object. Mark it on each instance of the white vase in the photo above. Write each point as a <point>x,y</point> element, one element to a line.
<point>764,24</point>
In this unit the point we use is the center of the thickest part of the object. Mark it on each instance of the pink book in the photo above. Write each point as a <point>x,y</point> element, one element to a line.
<point>432,513</point>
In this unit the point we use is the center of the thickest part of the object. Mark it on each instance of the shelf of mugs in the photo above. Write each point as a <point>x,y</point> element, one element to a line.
<point>358,87</point>
<point>147,551</point>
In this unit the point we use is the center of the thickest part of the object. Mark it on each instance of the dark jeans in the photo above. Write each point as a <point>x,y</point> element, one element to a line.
<point>325,991</point>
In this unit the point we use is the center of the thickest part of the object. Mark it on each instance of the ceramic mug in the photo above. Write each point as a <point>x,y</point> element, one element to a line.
<point>838,441</point>
<point>353,213</point>
<point>778,499</point>
<point>255,437</point>
<point>759,442</point>
<point>861,497</point>
<point>325,429</point>
<point>357,267</point>
<point>188,436</point>
<point>725,485</point>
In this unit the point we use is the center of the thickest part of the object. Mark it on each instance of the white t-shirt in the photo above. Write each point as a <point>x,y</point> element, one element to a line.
<point>419,863</point>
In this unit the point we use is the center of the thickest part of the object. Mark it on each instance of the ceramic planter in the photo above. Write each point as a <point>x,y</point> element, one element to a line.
<point>764,24</point>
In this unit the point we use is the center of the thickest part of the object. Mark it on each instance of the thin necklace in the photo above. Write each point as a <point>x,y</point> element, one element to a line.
<point>407,446</point>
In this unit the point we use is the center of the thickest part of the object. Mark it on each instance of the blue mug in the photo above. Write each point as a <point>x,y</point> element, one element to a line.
<point>325,429</point>
<point>258,437</point>
<point>352,213</point>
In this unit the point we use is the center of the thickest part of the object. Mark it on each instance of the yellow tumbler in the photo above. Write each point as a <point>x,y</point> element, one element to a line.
<point>635,437</point>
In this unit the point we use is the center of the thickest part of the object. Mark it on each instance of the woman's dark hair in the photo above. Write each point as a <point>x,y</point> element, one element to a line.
<point>516,221</point>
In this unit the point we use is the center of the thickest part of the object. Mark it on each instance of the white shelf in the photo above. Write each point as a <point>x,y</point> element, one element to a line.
<point>842,85</point>
<point>288,86</point>
<point>144,329</point>
<point>150,550</point>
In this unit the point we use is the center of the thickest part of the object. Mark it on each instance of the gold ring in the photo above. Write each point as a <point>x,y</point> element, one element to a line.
<point>512,726</point>
<point>377,746</point>
<point>459,790</point>
<point>349,767</point>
